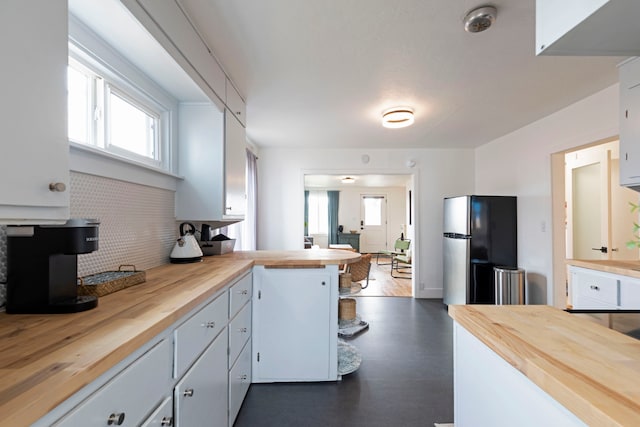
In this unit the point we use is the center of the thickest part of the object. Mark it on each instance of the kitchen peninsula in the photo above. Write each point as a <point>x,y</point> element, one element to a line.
<point>54,366</point>
<point>538,365</point>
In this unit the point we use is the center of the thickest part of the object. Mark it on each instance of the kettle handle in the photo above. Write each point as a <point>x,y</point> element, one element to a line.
<point>183,231</point>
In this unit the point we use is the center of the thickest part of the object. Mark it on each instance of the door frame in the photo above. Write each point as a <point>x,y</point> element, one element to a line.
<point>413,209</point>
<point>558,221</point>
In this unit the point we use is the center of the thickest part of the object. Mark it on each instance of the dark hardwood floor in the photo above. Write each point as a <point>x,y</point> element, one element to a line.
<point>405,379</point>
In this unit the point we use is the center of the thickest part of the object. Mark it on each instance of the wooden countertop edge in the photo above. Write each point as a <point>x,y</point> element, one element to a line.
<point>624,268</point>
<point>593,402</point>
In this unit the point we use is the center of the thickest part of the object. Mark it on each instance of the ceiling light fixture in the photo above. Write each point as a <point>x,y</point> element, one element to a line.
<point>348,180</point>
<point>480,19</point>
<point>397,117</point>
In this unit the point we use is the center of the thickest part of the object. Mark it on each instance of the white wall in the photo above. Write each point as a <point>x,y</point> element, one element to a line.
<point>438,173</point>
<point>520,164</point>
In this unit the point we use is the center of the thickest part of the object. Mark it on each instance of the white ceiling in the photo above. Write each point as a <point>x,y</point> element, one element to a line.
<point>335,181</point>
<point>319,73</point>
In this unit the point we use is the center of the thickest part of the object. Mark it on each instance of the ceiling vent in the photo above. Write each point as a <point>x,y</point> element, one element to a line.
<point>480,19</point>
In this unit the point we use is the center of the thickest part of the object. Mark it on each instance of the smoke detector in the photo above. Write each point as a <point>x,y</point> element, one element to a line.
<point>480,19</point>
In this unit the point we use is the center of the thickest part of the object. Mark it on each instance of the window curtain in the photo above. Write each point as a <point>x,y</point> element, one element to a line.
<point>246,232</point>
<point>306,212</point>
<point>334,198</point>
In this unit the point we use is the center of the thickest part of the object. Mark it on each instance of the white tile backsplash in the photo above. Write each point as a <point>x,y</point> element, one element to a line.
<point>137,225</point>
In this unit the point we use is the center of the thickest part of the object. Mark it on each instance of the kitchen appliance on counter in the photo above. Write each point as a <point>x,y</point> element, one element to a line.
<point>480,232</point>
<point>186,249</point>
<point>42,266</point>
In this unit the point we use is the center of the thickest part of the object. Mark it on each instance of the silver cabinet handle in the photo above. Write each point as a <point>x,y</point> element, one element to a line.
<point>209,324</point>
<point>188,392</point>
<point>243,292</point>
<point>116,419</point>
<point>242,330</point>
<point>594,288</point>
<point>166,421</point>
<point>243,377</point>
<point>57,187</point>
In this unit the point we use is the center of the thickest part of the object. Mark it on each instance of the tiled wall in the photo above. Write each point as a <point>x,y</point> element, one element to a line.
<point>137,225</point>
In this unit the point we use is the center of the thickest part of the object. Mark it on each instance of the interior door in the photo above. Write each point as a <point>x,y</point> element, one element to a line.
<point>373,222</point>
<point>599,221</point>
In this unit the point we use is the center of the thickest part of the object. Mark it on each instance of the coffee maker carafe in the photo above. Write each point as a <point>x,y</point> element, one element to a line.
<point>42,266</point>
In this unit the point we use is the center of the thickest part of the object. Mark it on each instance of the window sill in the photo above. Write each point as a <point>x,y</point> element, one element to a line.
<point>92,161</point>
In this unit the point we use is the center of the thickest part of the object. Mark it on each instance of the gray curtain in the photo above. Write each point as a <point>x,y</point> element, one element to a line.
<point>334,198</point>
<point>306,212</point>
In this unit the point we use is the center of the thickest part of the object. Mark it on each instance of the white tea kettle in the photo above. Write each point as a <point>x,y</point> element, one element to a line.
<point>186,248</point>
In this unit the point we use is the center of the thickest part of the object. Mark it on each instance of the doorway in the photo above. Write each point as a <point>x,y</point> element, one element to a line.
<point>590,209</point>
<point>373,222</point>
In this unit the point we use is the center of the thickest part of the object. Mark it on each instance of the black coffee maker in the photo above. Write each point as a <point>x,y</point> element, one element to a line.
<point>42,266</point>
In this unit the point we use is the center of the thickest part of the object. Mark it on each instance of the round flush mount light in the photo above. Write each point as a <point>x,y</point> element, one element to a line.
<point>398,117</point>
<point>480,19</point>
<point>348,180</point>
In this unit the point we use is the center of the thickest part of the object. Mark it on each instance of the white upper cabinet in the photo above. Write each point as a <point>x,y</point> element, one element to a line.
<point>211,157</point>
<point>168,15</point>
<point>630,124</point>
<point>33,112</point>
<point>587,27</point>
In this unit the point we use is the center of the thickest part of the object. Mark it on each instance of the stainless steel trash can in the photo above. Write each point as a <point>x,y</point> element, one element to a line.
<point>509,285</point>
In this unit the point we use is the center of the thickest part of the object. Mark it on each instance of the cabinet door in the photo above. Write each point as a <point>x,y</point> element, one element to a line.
<point>629,293</point>
<point>294,325</point>
<point>239,332</point>
<point>235,160</point>
<point>201,396</point>
<point>170,17</point>
<point>235,103</point>
<point>630,124</point>
<point>33,118</point>
<point>129,396</point>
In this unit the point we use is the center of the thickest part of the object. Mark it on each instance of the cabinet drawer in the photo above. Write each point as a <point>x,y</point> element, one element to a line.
<point>593,290</point>
<point>162,416</point>
<point>130,395</point>
<point>239,294</point>
<point>239,332</point>
<point>239,382</point>
<point>629,294</point>
<point>201,396</point>
<point>194,335</point>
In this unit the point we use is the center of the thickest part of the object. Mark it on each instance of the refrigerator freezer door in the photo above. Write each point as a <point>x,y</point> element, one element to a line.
<point>456,270</point>
<point>456,215</point>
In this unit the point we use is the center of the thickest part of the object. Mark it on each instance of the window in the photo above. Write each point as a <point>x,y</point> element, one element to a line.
<point>372,210</point>
<point>318,212</point>
<point>108,112</point>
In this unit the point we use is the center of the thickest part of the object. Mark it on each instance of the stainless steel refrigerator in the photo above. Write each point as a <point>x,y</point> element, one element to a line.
<point>480,232</point>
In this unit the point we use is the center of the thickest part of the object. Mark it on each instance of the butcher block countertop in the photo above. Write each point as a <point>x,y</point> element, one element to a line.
<point>47,358</point>
<point>625,268</point>
<point>592,371</point>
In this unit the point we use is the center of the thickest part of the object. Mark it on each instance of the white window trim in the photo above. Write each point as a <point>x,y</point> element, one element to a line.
<point>98,57</point>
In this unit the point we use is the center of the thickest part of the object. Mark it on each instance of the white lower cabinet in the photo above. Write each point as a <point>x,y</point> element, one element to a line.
<point>197,373</point>
<point>201,395</point>
<point>295,323</point>
<point>597,290</point>
<point>130,396</point>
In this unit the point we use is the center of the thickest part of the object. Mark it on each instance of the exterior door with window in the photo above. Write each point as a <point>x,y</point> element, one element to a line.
<point>373,222</point>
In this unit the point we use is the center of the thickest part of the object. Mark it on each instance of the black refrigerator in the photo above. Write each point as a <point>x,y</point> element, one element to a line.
<point>480,232</point>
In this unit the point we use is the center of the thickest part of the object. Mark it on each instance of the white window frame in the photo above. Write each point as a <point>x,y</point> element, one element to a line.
<point>120,76</point>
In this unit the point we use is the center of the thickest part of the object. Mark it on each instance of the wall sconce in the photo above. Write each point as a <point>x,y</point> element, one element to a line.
<point>398,117</point>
